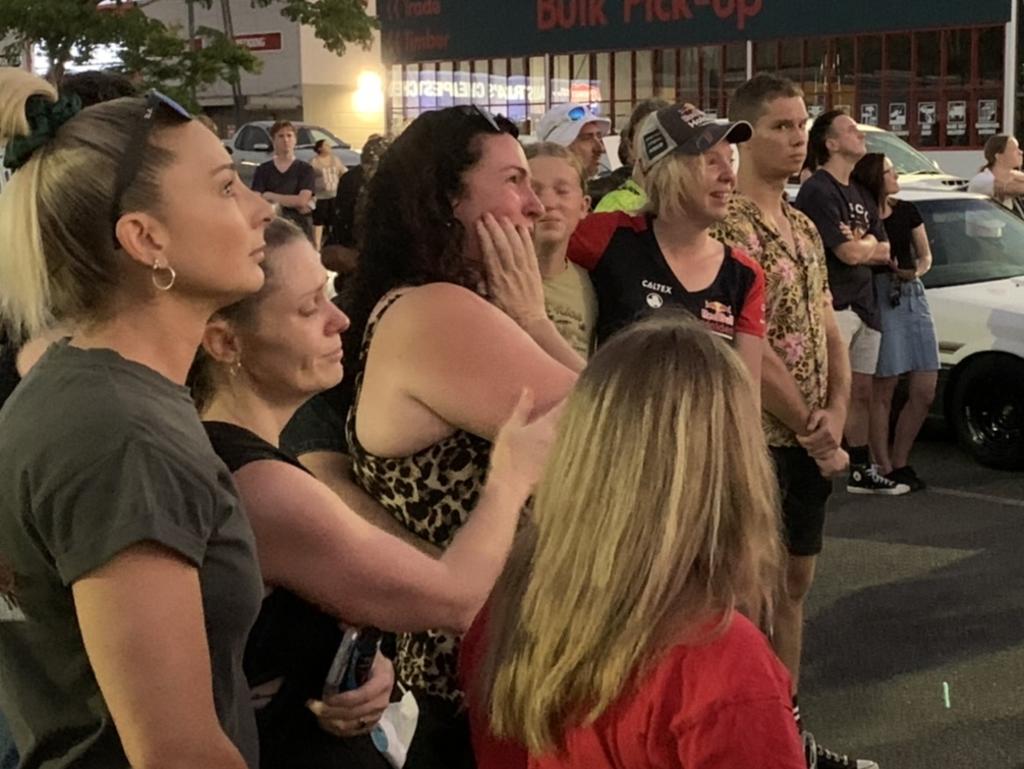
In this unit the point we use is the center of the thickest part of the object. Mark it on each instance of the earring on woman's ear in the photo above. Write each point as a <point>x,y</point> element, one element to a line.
<point>235,367</point>
<point>161,282</point>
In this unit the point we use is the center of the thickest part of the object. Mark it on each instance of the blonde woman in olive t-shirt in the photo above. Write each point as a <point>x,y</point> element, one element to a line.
<point>134,576</point>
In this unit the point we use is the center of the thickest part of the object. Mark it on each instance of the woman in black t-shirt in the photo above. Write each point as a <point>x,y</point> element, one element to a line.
<point>908,344</point>
<point>262,358</point>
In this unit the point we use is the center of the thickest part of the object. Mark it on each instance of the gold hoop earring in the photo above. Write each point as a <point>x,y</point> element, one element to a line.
<point>163,285</point>
<point>235,367</point>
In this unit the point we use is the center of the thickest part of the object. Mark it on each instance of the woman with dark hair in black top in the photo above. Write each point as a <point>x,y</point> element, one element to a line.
<point>908,344</point>
<point>261,359</point>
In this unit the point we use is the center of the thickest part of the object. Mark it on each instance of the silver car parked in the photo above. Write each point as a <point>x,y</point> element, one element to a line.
<point>251,146</point>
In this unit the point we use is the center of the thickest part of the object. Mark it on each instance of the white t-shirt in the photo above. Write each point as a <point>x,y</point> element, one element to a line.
<point>984,183</point>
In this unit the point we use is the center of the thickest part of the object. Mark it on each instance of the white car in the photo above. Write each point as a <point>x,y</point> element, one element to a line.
<point>914,169</point>
<point>976,293</point>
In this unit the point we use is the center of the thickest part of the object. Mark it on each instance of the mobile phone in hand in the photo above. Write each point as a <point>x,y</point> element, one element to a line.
<point>361,659</point>
<point>353,661</point>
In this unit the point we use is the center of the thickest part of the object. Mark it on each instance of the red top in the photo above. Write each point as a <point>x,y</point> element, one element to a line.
<point>632,279</point>
<point>724,704</point>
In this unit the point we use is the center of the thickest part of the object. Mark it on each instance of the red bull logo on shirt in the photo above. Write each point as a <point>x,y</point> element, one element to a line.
<point>719,317</point>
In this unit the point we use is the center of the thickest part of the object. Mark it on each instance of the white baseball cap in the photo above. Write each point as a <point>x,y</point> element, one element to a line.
<point>562,123</point>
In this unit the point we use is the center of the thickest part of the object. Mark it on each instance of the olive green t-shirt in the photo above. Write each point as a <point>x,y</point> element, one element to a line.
<point>98,453</point>
<point>572,305</point>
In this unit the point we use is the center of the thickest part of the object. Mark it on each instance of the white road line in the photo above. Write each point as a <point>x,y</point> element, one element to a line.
<point>973,495</point>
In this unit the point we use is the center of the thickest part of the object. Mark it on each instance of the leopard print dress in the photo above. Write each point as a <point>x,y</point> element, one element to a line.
<point>431,493</point>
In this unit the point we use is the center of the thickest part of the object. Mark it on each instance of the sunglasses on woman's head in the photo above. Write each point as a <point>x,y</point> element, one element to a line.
<point>135,152</point>
<point>498,123</point>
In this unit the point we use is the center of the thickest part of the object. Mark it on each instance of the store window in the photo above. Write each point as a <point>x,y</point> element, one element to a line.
<point>734,73</point>
<point>933,88</point>
<point>712,98</point>
<point>897,86</point>
<point>603,83</point>
<point>666,64</point>
<point>689,75</point>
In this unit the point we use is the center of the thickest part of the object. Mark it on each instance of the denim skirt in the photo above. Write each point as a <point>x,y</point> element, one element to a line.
<point>908,333</point>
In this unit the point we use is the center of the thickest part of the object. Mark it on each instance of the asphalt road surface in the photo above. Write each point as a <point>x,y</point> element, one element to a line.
<point>916,597</point>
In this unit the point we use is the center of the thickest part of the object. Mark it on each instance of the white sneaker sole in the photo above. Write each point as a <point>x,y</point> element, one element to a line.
<point>900,490</point>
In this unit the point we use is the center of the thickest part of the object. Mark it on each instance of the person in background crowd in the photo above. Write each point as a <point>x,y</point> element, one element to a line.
<point>805,382</point>
<point>343,232</point>
<point>665,254</point>
<point>909,346</point>
<point>316,434</point>
<point>320,560</point>
<point>110,222</point>
<point>628,195</point>
<point>446,345</point>
<point>1000,178</point>
<point>809,167</point>
<point>286,181</point>
<point>847,219</point>
<point>558,181</point>
<point>651,663</point>
<point>329,170</point>
<point>579,128</point>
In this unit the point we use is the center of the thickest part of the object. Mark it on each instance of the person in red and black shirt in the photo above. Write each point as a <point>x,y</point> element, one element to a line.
<point>664,256</point>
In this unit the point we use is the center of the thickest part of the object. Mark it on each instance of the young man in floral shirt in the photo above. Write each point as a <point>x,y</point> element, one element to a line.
<point>806,371</point>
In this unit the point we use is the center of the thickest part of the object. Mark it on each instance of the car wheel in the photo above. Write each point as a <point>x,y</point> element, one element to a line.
<point>987,410</point>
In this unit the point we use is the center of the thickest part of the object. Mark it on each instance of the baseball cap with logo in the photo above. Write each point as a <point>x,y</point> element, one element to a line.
<point>684,128</point>
<point>562,123</point>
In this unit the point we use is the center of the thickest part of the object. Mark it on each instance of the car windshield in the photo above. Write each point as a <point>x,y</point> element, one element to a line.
<point>972,241</point>
<point>905,159</point>
<point>310,135</point>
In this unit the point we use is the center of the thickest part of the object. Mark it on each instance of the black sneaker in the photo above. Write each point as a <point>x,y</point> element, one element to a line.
<point>907,476</point>
<point>823,758</point>
<point>865,479</point>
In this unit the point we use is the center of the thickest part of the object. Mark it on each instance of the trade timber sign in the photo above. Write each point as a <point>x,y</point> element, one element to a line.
<point>438,30</point>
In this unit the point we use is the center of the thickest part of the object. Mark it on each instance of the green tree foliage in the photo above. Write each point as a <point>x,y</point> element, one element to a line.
<point>159,55</point>
<point>335,22</point>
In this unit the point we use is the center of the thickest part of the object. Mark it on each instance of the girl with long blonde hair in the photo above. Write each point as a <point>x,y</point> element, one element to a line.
<point>614,637</point>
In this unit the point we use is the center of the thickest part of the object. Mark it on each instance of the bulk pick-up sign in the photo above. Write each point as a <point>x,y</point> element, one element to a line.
<point>439,30</point>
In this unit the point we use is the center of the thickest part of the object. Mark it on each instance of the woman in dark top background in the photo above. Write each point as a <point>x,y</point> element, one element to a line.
<point>263,357</point>
<point>908,344</point>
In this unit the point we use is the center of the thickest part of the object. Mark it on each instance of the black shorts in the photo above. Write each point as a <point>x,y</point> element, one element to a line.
<point>803,492</point>
<point>324,211</point>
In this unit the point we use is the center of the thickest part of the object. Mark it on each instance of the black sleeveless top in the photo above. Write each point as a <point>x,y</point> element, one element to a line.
<point>291,639</point>
<point>294,641</point>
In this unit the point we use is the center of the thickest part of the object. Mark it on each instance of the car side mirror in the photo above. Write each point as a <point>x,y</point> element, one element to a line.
<point>261,147</point>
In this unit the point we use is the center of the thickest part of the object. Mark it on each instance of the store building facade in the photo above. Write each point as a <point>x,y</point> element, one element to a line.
<point>942,74</point>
